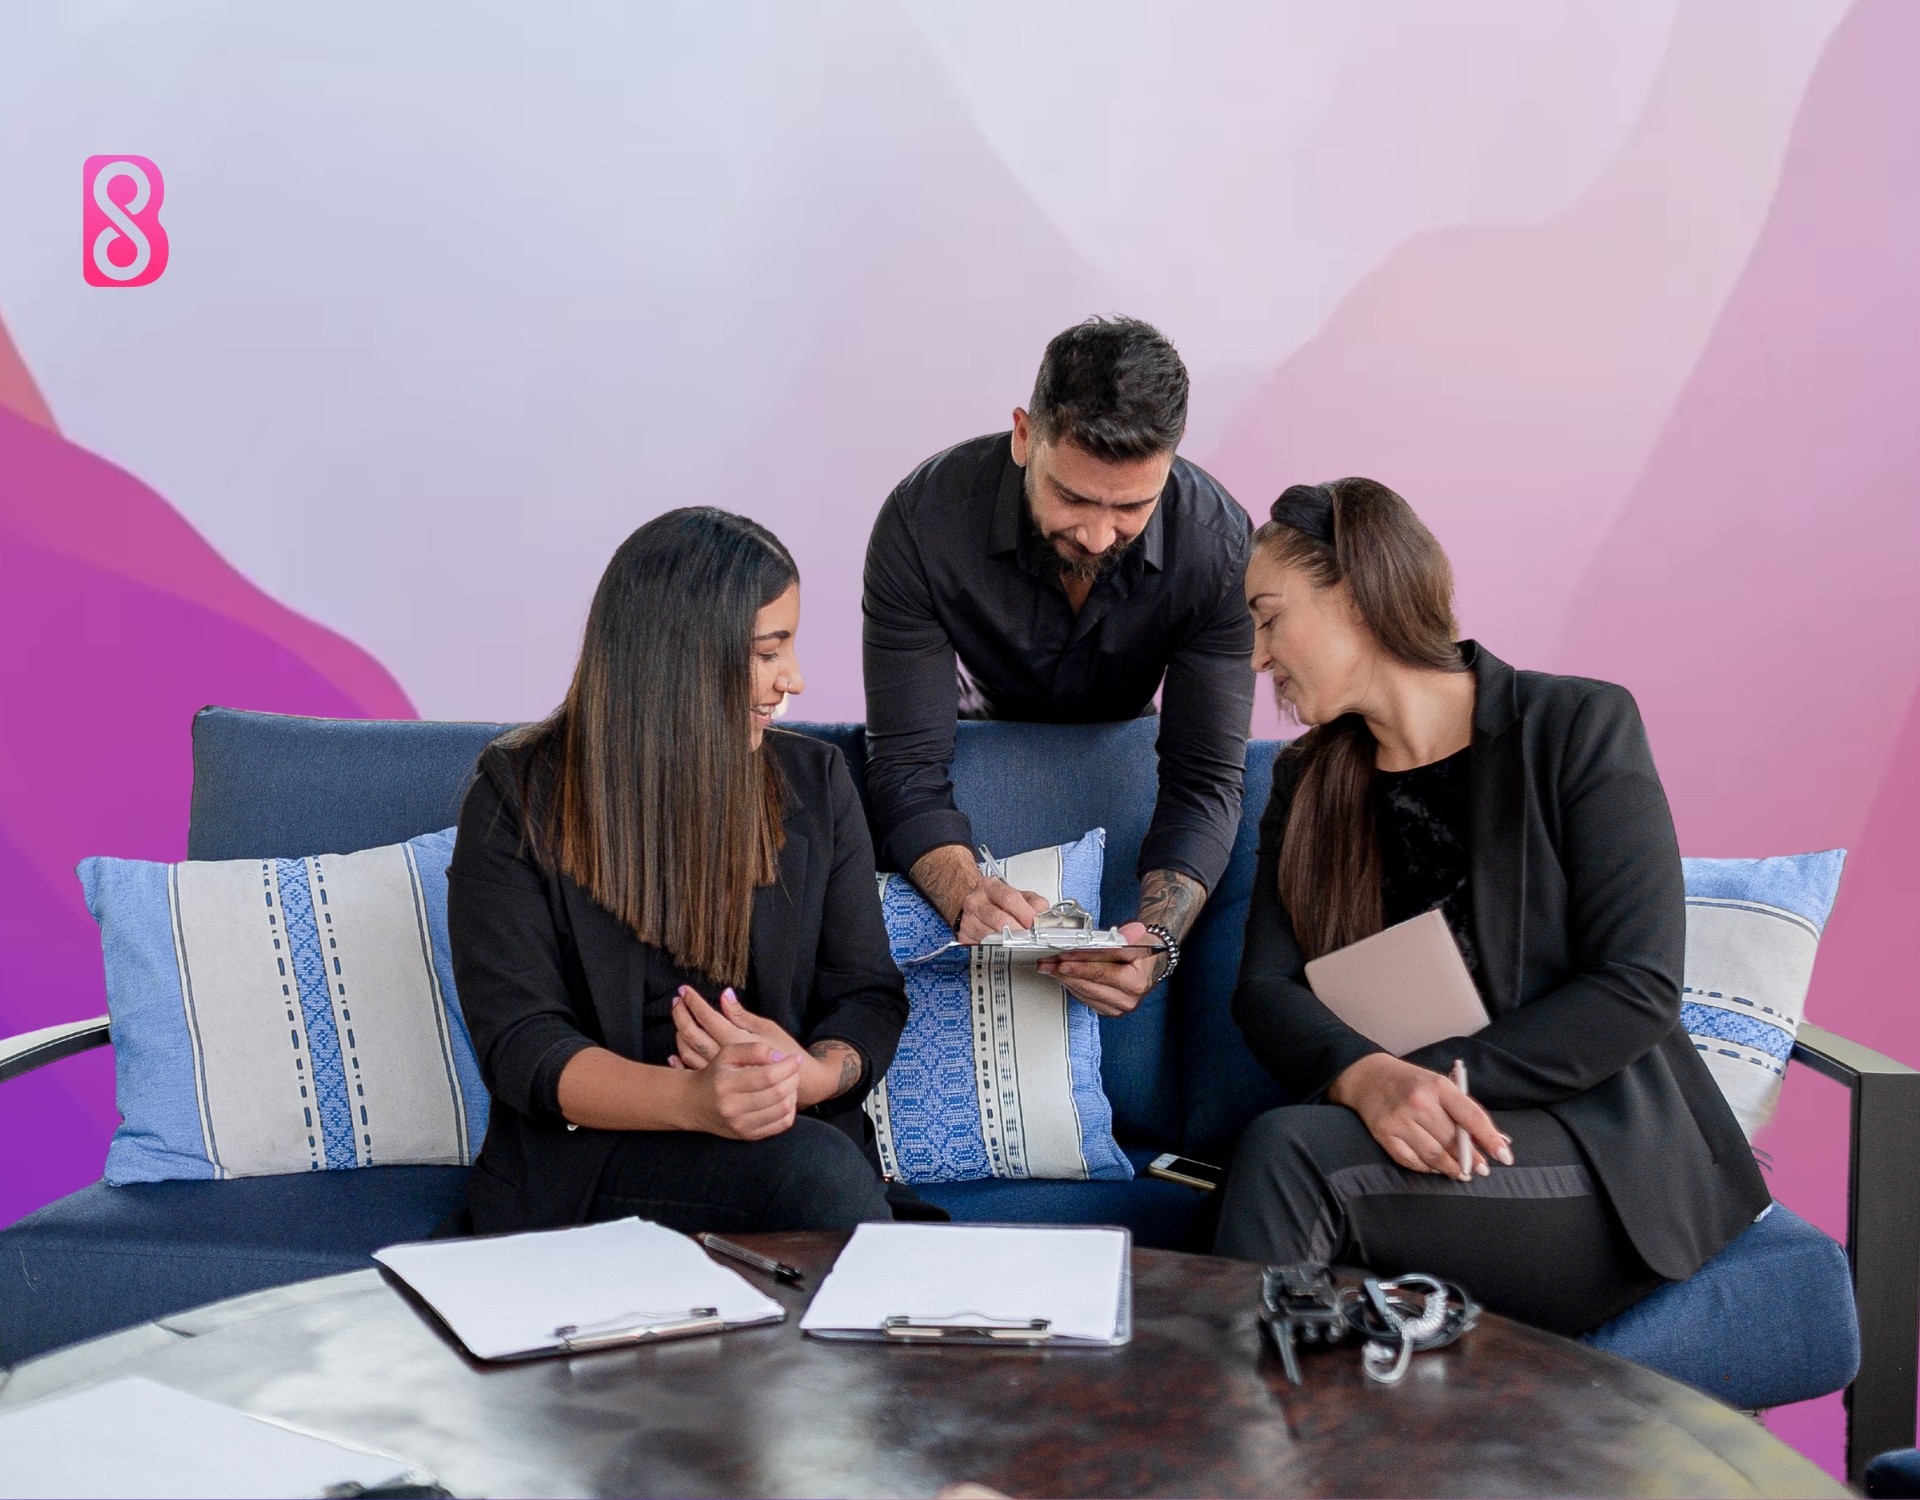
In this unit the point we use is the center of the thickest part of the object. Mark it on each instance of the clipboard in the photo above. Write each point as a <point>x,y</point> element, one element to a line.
<point>1406,987</point>
<point>930,1319</point>
<point>1064,930</point>
<point>134,1436</point>
<point>614,1285</point>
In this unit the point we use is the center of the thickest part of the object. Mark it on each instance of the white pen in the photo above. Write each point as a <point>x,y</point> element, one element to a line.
<point>1462,1141</point>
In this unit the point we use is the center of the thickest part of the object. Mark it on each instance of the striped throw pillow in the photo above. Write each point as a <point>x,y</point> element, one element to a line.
<point>284,1015</point>
<point>1753,926</point>
<point>998,1070</point>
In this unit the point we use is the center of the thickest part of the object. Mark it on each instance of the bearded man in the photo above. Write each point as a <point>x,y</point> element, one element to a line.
<point>1065,573</point>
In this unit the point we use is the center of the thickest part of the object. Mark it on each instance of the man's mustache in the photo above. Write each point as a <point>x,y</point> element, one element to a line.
<point>1090,566</point>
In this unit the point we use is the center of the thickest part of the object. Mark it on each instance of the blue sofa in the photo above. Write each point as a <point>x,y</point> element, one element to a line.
<point>1770,1320</point>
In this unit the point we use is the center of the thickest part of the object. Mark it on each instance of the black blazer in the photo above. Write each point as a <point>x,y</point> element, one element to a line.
<point>1579,915</point>
<point>544,971</point>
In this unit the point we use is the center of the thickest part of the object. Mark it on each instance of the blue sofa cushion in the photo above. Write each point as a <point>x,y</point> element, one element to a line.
<point>1162,1215</point>
<point>1895,1474</point>
<point>1768,1321</point>
<point>273,786</point>
<point>109,1257</point>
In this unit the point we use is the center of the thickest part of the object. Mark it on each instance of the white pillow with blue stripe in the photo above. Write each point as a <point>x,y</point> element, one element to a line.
<point>998,1070</point>
<point>1753,926</point>
<point>284,1015</point>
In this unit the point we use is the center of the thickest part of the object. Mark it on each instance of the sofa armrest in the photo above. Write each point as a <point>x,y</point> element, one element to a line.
<point>35,1049</point>
<point>1883,1236</point>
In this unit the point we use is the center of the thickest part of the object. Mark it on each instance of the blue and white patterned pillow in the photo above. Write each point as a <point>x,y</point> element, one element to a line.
<point>284,1015</point>
<point>1753,926</point>
<point>998,1071</point>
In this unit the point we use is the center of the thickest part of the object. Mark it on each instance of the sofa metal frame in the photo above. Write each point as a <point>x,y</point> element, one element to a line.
<point>1883,1214</point>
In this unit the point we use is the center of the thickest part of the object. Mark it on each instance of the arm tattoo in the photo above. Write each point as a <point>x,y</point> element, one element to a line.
<point>849,1063</point>
<point>1171,900</point>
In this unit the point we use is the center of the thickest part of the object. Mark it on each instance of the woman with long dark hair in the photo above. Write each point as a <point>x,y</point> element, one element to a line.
<point>665,928</point>
<point>1526,807</point>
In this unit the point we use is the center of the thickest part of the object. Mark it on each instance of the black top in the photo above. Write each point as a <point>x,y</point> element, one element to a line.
<point>955,566</point>
<point>1578,917</point>
<point>544,972</point>
<point>1421,816</point>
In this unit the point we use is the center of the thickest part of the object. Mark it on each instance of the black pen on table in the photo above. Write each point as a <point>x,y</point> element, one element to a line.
<point>778,1269</point>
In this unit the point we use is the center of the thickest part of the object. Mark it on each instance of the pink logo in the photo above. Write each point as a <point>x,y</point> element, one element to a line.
<point>123,243</point>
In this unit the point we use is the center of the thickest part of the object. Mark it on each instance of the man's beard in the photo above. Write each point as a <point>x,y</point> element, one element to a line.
<point>1079,568</point>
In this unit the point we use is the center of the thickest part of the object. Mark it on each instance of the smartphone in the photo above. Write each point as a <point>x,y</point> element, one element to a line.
<point>1195,1174</point>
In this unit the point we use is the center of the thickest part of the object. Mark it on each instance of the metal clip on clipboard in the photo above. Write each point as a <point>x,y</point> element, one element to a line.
<point>1063,930</point>
<point>970,1328</point>
<point>640,1328</point>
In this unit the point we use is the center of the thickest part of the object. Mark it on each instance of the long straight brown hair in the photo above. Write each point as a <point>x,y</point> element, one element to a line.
<point>644,786</point>
<point>1402,588</point>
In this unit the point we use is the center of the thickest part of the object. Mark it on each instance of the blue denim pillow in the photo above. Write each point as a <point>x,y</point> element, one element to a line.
<point>998,1071</point>
<point>1753,926</point>
<point>284,1015</point>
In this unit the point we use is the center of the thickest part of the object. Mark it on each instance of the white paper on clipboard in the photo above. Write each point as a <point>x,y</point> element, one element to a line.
<point>518,1296</point>
<point>973,1276</point>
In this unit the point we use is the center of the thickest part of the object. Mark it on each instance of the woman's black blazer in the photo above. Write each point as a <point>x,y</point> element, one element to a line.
<point>544,971</point>
<point>1579,917</point>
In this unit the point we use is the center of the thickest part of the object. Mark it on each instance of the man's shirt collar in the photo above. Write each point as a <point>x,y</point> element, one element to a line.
<point>1013,531</point>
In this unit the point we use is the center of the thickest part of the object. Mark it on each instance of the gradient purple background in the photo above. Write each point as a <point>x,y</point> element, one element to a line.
<point>1656,401</point>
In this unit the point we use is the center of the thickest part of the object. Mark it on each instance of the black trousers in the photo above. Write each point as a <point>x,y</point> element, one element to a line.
<point>810,1176</point>
<point>1537,1241</point>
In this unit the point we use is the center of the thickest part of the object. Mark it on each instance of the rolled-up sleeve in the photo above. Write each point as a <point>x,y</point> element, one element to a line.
<point>507,962</point>
<point>1206,707</point>
<point>858,994</point>
<point>912,700</point>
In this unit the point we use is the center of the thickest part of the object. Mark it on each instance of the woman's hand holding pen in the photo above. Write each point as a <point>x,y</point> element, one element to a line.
<point>1414,1114</point>
<point>701,1033</point>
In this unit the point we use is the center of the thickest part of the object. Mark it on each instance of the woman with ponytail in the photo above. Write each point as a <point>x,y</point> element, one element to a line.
<point>665,930</point>
<point>1527,809</point>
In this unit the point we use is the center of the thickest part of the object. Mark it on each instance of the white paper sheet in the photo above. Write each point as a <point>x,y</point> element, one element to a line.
<point>135,1438</point>
<point>962,1272</point>
<point>507,1295</point>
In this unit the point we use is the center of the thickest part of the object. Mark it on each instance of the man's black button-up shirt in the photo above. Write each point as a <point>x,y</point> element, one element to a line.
<point>956,566</point>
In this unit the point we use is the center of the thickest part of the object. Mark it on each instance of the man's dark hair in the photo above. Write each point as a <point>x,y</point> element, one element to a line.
<point>1115,387</point>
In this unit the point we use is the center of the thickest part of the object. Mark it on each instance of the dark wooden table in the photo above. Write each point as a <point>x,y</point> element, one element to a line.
<point>1195,1405</point>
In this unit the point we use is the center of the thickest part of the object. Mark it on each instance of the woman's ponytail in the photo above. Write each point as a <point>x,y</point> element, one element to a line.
<point>1360,532</point>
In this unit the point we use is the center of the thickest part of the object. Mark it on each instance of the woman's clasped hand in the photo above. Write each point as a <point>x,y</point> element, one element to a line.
<point>705,1033</point>
<point>1415,1114</point>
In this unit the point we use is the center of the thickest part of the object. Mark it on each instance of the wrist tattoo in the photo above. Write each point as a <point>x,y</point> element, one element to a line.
<point>849,1064</point>
<point>1171,900</point>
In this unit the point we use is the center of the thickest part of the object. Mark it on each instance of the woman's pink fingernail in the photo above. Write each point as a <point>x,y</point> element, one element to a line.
<point>1506,1157</point>
<point>779,1057</point>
